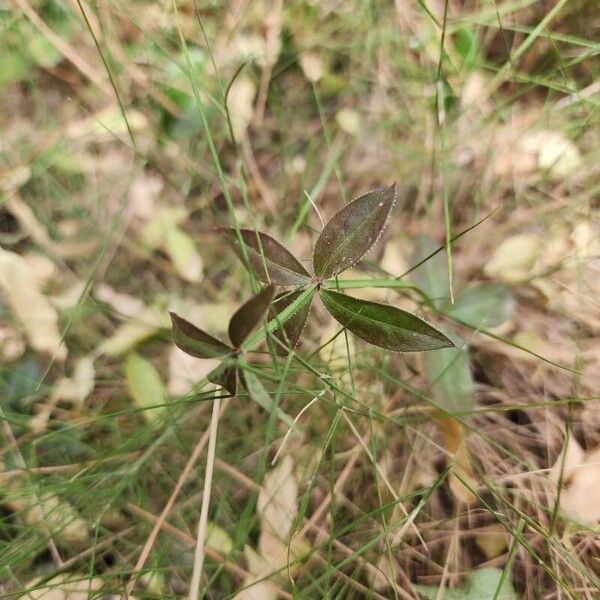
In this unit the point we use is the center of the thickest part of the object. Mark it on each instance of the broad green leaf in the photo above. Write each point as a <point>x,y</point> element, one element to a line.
<point>145,385</point>
<point>481,585</point>
<point>183,252</point>
<point>270,261</point>
<point>289,333</point>
<point>432,276</point>
<point>450,378</point>
<point>465,42</point>
<point>351,232</point>
<point>196,342</point>
<point>259,394</point>
<point>248,316</point>
<point>483,305</point>
<point>384,325</point>
<point>225,375</point>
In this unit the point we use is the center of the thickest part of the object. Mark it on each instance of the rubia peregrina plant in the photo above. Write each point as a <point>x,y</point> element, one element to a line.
<point>345,239</point>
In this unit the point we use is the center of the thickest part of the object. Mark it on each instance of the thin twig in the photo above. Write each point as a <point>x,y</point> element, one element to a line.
<point>167,509</point>
<point>202,522</point>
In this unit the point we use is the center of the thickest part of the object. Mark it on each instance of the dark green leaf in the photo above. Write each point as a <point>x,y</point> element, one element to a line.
<point>352,232</point>
<point>289,333</point>
<point>483,305</point>
<point>270,261</point>
<point>383,325</point>
<point>450,378</point>
<point>196,342</point>
<point>465,42</point>
<point>225,375</point>
<point>249,315</point>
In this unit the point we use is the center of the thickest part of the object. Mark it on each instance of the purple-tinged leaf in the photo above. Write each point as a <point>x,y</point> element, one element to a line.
<point>352,232</point>
<point>249,315</point>
<point>225,375</point>
<point>289,333</point>
<point>196,342</point>
<point>270,261</point>
<point>384,325</point>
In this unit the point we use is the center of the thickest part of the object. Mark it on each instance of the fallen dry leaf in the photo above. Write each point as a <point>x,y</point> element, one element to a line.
<point>30,306</point>
<point>277,507</point>
<point>124,304</point>
<point>492,540</point>
<point>581,481</point>
<point>514,259</point>
<point>186,370</point>
<point>77,388</point>
<point>52,514</point>
<point>312,66</point>
<point>461,479</point>
<point>240,104</point>
<point>146,324</point>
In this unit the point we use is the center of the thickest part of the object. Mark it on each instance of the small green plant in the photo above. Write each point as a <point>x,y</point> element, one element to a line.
<point>345,239</point>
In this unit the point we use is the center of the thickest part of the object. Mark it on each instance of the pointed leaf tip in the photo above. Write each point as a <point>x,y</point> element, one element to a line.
<point>247,317</point>
<point>225,375</point>
<point>352,232</point>
<point>270,261</point>
<point>384,325</point>
<point>196,342</point>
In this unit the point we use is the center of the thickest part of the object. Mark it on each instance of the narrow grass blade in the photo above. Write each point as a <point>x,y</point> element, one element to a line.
<point>289,333</point>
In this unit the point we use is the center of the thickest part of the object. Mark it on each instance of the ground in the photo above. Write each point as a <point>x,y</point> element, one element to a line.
<point>131,132</point>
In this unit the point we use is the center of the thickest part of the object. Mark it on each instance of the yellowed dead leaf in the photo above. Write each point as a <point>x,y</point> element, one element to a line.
<point>62,587</point>
<point>143,195</point>
<point>57,516</point>
<point>163,231</point>
<point>218,539</point>
<point>70,297</point>
<point>254,588</point>
<point>186,370</point>
<point>240,104</point>
<point>461,479</point>
<point>78,387</point>
<point>492,540</point>
<point>312,66</point>
<point>277,507</point>
<point>393,260</point>
<point>145,387</point>
<point>104,125</point>
<point>348,120</point>
<point>136,330</point>
<point>581,481</point>
<point>29,305</point>
<point>183,253</point>
<point>514,259</point>
<point>12,344</point>
<point>557,154</point>
<point>124,304</point>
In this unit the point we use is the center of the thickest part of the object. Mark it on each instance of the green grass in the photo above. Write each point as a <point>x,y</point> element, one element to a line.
<point>374,477</point>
